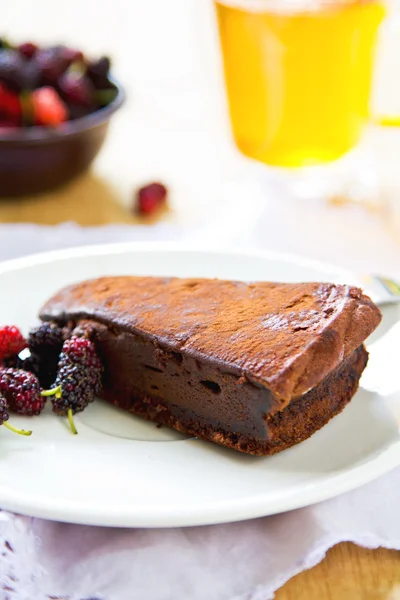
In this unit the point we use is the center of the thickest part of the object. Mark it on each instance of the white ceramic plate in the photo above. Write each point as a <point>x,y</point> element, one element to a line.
<point>123,471</point>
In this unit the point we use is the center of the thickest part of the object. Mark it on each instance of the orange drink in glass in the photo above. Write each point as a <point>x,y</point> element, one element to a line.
<point>298,76</point>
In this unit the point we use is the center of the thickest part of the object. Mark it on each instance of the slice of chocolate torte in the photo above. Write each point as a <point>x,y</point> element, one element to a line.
<point>256,367</point>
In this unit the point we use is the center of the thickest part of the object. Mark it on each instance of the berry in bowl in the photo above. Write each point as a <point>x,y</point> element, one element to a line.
<point>55,108</point>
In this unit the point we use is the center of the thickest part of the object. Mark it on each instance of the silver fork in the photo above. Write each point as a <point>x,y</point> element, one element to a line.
<point>382,289</point>
<point>386,293</point>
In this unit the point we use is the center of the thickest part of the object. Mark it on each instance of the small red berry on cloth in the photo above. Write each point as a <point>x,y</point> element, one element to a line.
<point>11,341</point>
<point>151,198</point>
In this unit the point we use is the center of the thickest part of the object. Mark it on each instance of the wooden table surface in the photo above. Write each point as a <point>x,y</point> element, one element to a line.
<point>348,572</point>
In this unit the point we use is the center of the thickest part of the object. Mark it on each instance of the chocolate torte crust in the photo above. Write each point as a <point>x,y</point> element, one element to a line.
<point>284,337</point>
<point>298,421</point>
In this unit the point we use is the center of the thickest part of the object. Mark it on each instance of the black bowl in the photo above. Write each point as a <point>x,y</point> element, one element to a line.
<point>36,159</point>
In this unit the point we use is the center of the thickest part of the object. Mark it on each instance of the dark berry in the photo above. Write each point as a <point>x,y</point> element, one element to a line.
<point>82,351</point>
<point>11,341</point>
<point>98,72</point>
<point>30,75</point>
<point>100,67</point>
<point>29,362</point>
<point>45,344</point>
<point>46,339</point>
<point>76,89</point>
<point>78,377</point>
<point>21,389</point>
<point>48,108</point>
<point>4,416</point>
<point>11,69</point>
<point>71,55</point>
<point>76,390</point>
<point>51,64</point>
<point>27,50</point>
<point>150,198</point>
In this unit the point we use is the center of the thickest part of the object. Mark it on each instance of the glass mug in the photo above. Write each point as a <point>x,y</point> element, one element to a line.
<point>298,76</point>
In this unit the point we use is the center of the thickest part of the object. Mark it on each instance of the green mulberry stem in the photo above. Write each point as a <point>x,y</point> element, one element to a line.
<point>71,421</point>
<point>57,392</point>
<point>15,430</point>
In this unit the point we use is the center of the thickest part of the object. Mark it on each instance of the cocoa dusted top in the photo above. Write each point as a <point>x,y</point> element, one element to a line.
<point>283,336</point>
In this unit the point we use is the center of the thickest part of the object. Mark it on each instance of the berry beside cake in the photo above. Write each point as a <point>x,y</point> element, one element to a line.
<point>256,367</point>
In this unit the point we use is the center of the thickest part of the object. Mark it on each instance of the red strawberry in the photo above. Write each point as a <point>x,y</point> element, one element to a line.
<point>48,108</point>
<point>10,104</point>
